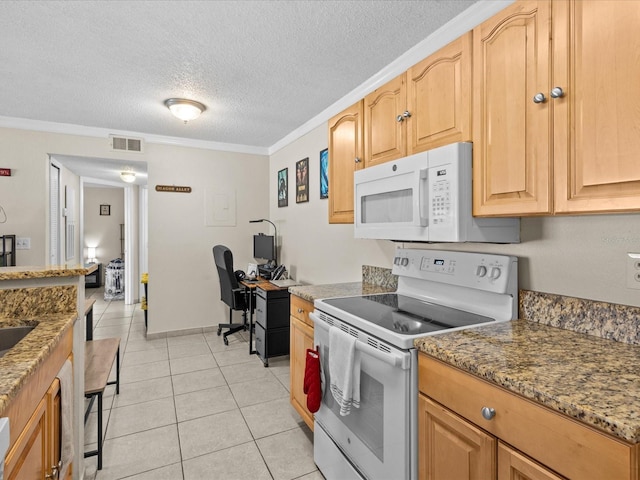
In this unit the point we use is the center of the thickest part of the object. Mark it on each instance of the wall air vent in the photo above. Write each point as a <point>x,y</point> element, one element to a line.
<point>124,144</point>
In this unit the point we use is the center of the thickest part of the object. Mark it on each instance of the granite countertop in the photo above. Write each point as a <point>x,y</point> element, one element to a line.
<point>590,379</point>
<point>21,273</point>
<point>19,363</point>
<point>314,292</point>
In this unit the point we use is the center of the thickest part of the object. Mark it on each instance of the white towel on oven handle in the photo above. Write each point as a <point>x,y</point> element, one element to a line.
<point>344,370</point>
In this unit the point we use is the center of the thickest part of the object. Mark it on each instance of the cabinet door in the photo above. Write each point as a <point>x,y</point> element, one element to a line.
<point>27,460</point>
<point>596,122</point>
<point>439,98</point>
<point>511,133</point>
<point>345,157</point>
<point>385,134</point>
<point>301,338</point>
<point>513,465</point>
<point>450,447</point>
<point>54,414</point>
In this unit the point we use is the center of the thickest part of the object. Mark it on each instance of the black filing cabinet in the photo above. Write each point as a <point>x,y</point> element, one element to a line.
<point>272,323</point>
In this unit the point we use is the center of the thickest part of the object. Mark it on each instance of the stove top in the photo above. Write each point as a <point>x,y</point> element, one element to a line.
<point>405,315</point>
<point>438,291</point>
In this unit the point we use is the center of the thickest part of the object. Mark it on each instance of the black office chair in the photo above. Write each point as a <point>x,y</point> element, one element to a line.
<point>230,291</point>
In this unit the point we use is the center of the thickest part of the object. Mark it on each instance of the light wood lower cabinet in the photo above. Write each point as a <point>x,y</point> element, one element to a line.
<point>451,447</point>
<point>522,440</point>
<point>301,338</point>
<point>35,418</point>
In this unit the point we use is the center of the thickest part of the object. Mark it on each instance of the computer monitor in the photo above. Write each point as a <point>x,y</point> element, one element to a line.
<point>263,247</point>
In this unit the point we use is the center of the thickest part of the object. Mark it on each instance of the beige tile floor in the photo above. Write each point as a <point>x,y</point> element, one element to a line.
<point>191,408</point>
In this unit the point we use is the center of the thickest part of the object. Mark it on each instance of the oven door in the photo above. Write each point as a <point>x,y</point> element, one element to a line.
<point>376,438</point>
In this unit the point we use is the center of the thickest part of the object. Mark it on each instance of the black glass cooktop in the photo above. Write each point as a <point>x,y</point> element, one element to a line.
<point>405,315</point>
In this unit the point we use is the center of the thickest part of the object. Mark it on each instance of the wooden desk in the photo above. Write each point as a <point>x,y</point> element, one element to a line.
<point>250,289</point>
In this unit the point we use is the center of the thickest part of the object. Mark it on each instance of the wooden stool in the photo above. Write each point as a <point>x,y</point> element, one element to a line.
<point>88,315</point>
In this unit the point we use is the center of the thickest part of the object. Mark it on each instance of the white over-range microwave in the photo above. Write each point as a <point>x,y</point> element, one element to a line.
<point>425,197</point>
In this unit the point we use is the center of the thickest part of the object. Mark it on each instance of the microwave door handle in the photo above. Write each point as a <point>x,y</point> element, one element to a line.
<point>423,197</point>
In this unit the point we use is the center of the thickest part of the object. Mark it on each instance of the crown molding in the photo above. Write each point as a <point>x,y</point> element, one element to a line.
<point>84,131</point>
<point>457,26</point>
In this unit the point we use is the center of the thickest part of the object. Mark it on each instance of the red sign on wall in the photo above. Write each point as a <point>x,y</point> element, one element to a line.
<point>5,172</point>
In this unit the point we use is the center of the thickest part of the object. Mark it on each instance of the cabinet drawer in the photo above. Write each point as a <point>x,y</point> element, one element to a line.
<point>563,444</point>
<point>300,309</point>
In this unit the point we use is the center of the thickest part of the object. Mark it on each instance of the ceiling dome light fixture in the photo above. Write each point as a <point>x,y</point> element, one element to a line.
<point>184,109</point>
<point>128,175</point>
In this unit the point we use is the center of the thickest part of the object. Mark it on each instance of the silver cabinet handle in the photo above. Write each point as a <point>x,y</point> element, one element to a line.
<point>400,118</point>
<point>300,310</point>
<point>539,98</point>
<point>357,160</point>
<point>557,92</point>
<point>488,413</point>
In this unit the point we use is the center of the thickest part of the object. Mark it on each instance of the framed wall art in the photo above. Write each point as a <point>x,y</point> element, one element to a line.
<point>105,209</point>
<point>302,180</point>
<point>324,173</point>
<point>283,187</point>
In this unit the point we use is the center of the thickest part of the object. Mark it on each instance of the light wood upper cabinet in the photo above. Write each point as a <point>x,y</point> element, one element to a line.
<point>511,132</point>
<point>597,122</point>
<point>556,114</point>
<point>439,98</point>
<point>426,107</point>
<point>385,135</point>
<point>345,157</point>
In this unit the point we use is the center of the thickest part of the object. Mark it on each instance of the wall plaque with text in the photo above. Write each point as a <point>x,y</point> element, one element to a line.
<point>172,188</point>
<point>5,172</point>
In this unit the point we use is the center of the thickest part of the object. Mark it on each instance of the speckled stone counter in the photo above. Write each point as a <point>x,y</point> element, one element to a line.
<point>374,280</point>
<point>21,273</point>
<point>17,365</point>
<point>314,292</point>
<point>591,379</point>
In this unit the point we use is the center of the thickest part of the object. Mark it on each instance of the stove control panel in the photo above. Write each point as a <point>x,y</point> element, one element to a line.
<point>489,272</point>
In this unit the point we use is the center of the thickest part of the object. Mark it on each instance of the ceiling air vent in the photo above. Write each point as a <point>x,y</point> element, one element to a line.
<point>124,144</point>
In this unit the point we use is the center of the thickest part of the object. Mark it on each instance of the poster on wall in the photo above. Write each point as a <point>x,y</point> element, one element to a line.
<point>324,173</point>
<point>302,180</point>
<point>283,191</point>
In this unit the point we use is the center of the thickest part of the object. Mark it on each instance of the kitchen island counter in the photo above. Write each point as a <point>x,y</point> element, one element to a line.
<point>593,380</point>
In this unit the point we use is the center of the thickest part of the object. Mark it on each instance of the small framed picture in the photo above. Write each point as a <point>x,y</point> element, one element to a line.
<point>283,187</point>
<point>324,173</point>
<point>302,180</point>
<point>105,209</point>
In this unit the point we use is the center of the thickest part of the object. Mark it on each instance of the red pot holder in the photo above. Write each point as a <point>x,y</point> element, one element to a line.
<point>312,386</point>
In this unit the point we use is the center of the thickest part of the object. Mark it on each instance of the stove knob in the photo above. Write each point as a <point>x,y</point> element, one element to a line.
<point>405,262</point>
<point>481,271</point>
<point>495,273</point>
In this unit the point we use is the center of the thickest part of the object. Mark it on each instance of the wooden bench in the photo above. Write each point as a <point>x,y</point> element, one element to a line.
<point>88,315</point>
<point>99,357</point>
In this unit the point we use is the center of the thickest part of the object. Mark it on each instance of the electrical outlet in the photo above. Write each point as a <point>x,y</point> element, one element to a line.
<point>633,270</point>
<point>23,243</point>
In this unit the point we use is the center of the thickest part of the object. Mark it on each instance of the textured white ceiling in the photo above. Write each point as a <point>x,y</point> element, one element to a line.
<point>262,68</point>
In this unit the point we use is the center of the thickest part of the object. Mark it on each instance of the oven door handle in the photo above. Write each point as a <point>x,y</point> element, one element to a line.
<point>393,359</point>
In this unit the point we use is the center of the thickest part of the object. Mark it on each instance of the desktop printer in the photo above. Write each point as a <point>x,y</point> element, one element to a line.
<point>266,270</point>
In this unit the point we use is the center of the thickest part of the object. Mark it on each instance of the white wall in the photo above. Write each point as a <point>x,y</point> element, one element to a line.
<point>183,286</point>
<point>183,282</point>
<point>581,256</point>
<point>103,231</point>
